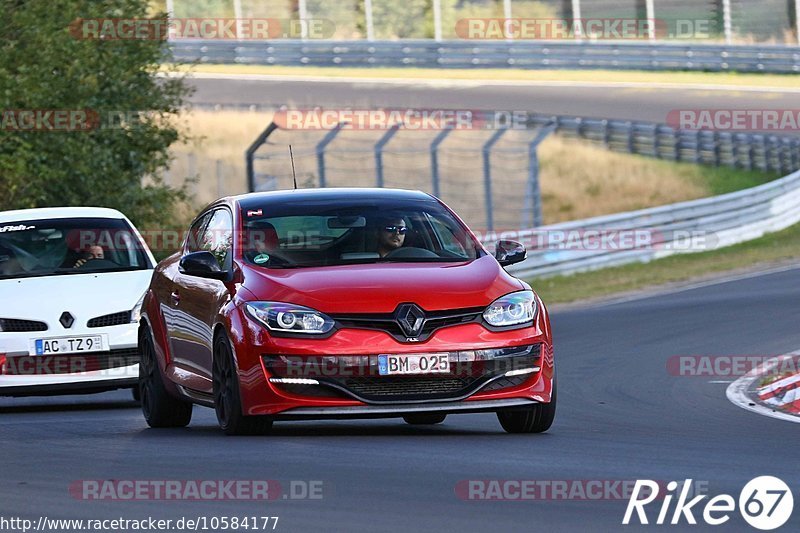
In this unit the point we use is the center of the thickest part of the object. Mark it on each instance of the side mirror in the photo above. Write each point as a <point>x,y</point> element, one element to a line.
<point>509,253</point>
<point>201,264</point>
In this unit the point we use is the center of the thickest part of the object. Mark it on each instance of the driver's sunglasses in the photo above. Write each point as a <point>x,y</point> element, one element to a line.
<point>402,230</point>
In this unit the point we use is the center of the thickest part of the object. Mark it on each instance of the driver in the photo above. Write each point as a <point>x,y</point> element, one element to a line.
<point>92,252</point>
<point>391,234</point>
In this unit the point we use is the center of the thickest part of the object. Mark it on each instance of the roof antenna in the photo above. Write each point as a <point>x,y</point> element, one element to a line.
<point>294,176</point>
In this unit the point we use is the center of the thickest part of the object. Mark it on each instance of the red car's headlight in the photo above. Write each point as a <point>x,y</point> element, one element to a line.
<point>289,318</point>
<point>511,309</point>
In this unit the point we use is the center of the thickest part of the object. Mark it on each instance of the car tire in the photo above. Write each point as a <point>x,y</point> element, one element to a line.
<point>536,419</point>
<point>424,419</point>
<point>160,408</point>
<point>227,397</point>
<point>136,394</point>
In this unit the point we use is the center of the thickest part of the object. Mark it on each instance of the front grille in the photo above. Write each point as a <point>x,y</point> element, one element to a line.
<point>114,319</point>
<point>40,365</point>
<point>434,320</point>
<point>17,326</point>
<point>358,377</point>
<point>397,388</point>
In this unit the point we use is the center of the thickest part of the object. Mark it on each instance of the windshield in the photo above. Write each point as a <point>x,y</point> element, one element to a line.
<point>327,233</point>
<point>69,246</point>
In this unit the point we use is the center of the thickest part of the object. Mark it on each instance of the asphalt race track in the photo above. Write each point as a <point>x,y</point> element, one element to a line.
<point>648,104</point>
<point>621,416</point>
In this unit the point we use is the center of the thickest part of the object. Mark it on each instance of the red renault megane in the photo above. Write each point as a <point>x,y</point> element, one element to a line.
<point>342,303</point>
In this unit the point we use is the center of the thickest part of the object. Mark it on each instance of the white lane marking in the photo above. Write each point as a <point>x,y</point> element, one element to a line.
<point>737,391</point>
<point>450,83</point>
<point>721,381</point>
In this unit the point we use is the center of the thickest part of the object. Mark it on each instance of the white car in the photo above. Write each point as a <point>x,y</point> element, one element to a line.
<point>72,280</point>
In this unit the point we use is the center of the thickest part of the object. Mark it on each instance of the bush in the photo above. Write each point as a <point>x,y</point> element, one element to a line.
<point>116,163</point>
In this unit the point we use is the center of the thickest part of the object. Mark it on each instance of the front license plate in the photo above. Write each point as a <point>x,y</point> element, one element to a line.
<point>437,363</point>
<point>65,345</point>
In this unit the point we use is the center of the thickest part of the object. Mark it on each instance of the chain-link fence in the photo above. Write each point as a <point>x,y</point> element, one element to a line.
<point>732,21</point>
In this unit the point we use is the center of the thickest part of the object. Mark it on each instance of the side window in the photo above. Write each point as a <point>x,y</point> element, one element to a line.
<point>218,237</point>
<point>193,240</point>
<point>446,238</point>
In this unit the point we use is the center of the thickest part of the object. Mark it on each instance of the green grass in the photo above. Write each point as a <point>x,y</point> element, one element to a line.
<point>776,247</point>
<point>722,180</point>
<point>732,79</point>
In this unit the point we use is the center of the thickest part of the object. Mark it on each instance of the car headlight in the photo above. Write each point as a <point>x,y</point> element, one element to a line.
<point>289,318</point>
<point>136,312</point>
<point>511,309</point>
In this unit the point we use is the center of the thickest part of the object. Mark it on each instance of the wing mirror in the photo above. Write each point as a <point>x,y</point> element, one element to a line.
<point>509,252</point>
<point>203,265</point>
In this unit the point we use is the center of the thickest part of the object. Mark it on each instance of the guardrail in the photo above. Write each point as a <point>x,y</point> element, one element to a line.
<point>495,54</point>
<point>686,227</point>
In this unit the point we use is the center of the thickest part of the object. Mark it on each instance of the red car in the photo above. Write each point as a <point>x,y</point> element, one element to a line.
<point>342,303</point>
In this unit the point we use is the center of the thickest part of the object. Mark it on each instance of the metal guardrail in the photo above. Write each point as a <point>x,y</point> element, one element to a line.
<point>761,151</point>
<point>495,54</point>
<point>686,227</point>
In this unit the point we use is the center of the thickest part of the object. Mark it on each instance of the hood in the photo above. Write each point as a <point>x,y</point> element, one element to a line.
<point>85,296</point>
<point>381,287</point>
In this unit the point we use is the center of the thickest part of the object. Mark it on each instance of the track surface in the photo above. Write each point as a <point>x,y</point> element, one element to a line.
<point>621,416</point>
<point>603,102</point>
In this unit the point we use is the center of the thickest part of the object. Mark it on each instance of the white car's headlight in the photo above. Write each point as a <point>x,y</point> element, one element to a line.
<point>290,318</point>
<point>136,312</point>
<point>511,309</point>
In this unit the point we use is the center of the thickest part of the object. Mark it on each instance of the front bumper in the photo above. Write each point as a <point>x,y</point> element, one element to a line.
<point>23,373</point>
<point>251,344</point>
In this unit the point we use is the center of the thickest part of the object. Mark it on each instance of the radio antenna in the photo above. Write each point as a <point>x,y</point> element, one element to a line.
<point>294,175</point>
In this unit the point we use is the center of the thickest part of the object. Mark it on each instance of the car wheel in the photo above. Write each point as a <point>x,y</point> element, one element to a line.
<point>424,419</point>
<point>227,398</point>
<point>160,408</point>
<point>536,419</point>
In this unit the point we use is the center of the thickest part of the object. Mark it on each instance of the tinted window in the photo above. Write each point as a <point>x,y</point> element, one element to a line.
<point>69,246</point>
<point>326,233</point>
<point>218,237</point>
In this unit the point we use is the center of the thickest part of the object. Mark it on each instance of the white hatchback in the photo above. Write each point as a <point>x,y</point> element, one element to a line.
<point>72,281</point>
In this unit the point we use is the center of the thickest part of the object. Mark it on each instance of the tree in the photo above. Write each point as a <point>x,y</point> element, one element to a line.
<point>47,64</point>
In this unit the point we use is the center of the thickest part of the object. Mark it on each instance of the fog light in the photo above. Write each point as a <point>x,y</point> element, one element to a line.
<point>522,371</point>
<point>294,381</point>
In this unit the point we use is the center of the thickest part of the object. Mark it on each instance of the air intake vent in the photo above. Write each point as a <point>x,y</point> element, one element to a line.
<point>114,319</point>
<point>16,326</point>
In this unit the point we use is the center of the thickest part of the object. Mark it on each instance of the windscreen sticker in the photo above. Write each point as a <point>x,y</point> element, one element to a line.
<point>20,227</point>
<point>255,213</point>
<point>260,259</point>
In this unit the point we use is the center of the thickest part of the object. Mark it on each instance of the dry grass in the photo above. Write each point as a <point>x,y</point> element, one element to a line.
<point>577,179</point>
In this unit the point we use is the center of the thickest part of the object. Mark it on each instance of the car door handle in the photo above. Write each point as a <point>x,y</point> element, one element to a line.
<point>176,297</point>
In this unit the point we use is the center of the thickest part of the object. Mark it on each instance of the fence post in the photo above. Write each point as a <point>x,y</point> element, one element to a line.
<point>533,193</point>
<point>576,19</point>
<point>437,20</point>
<point>302,12</point>
<point>435,159</point>
<point>368,20</point>
<point>726,21</point>
<point>321,153</point>
<point>651,19</point>
<point>487,176</point>
<point>249,155</point>
<point>379,153</point>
